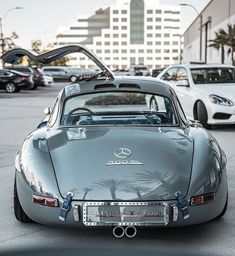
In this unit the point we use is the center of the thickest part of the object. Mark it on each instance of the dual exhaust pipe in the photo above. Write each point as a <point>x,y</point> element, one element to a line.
<point>120,231</point>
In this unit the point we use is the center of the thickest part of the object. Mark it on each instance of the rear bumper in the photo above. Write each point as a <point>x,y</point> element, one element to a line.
<point>50,215</point>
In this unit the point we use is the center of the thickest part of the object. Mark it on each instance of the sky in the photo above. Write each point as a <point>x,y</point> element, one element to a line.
<point>40,19</point>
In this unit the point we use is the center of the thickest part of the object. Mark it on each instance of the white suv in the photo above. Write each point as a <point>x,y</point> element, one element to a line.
<point>206,92</point>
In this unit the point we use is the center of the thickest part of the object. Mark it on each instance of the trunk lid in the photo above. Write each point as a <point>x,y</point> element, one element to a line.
<point>117,163</point>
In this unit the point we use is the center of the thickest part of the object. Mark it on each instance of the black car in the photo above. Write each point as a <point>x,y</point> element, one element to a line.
<point>13,81</point>
<point>29,71</point>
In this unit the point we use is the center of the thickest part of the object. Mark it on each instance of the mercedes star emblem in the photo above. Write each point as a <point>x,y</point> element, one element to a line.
<point>122,152</point>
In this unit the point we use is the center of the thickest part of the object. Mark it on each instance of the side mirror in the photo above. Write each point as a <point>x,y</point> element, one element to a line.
<point>182,83</point>
<point>47,111</point>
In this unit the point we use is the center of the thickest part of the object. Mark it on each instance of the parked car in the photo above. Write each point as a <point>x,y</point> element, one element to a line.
<point>121,72</point>
<point>103,157</point>
<point>13,81</point>
<point>29,71</point>
<point>206,92</point>
<point>42,78</point>
<point>58,73</point>
<point>139,70</point>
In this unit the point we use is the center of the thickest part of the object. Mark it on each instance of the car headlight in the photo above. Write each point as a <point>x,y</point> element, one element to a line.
<point>220,100</point>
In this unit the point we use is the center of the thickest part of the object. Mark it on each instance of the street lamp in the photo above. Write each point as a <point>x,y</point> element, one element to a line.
<point>1,25</point>
<point>195,9</point>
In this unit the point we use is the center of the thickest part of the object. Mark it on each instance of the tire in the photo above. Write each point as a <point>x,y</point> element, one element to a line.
<point>202,115</point>
<point>18,210</point>
<point>224,210</point>
<point>73,79</point>
<point>10,88</point>
<point>34,87</point>
<point>153,105</point>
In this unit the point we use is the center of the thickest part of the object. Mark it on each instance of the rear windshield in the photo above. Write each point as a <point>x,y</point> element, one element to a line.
<point>213,75</point>
<point>119,108</point>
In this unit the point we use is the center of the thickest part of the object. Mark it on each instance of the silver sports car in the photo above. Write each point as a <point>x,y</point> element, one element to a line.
<point>119,152</point>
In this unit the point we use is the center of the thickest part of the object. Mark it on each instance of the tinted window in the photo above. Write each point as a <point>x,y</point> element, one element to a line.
<point>170,74</point>
<point>213,75</point>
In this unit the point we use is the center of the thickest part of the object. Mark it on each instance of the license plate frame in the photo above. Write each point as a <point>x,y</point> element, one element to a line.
<point>158,214</point>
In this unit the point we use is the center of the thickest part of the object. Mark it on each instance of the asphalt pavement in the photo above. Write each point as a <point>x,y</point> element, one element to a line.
<point>19,114</point>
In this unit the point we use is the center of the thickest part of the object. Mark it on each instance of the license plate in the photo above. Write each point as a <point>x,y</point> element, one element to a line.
<point>125,213</point>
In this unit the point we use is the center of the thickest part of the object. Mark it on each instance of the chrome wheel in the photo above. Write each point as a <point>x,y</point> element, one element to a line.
<point>73,79</point>
<point>10,88</point>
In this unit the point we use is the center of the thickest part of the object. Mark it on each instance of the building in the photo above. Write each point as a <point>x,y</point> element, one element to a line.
<point>129,32</point>
<point>216,15</point>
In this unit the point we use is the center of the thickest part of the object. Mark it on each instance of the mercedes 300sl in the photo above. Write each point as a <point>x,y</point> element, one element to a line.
<point>117,152</point>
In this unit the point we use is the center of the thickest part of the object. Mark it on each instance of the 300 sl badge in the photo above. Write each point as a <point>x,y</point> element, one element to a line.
<point>124,162</point>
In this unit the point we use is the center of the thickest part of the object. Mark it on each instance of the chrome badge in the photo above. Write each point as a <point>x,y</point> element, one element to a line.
<point>122,152</point>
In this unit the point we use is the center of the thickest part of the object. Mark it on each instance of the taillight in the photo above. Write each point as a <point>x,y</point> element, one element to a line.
<point>47,201</point>
<point>202,199</point>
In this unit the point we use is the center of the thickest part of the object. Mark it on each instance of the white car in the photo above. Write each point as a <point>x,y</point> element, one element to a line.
<point>206,92</point>
<point>47,80</point>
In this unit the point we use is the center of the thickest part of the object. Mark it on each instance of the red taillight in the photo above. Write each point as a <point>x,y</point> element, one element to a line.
<point>52,202</point>
<point>197,200</point>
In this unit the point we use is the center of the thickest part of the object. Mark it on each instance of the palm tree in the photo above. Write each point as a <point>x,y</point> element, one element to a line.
<point>138,190</point>
<point>86,191</point>
<point>219,42</point>
<point>112,185</point>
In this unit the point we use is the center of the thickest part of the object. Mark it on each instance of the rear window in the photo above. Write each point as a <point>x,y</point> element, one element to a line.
<point>213,75</point>
<point>119,108</point>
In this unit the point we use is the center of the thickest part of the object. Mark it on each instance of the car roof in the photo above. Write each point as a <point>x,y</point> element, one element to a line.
<point>211,65</point>
<point>120,83</point>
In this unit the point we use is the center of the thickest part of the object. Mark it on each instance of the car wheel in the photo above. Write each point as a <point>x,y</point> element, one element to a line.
<point>34,87</point>
<point>225,209</point>
<point>10,88</point>
<point>202,115</point>
<point>153,105</point>
<point>73,79</point>
<point>18,210</point>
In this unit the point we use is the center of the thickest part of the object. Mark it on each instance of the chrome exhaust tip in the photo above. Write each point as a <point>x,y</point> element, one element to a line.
<point>130,231</point>
<point>118,231</point>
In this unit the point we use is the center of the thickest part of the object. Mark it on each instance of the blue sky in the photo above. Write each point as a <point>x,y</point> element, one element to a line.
<point>40,19</point>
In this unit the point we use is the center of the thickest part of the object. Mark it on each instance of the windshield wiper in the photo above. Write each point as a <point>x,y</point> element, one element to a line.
<point>102,73</point>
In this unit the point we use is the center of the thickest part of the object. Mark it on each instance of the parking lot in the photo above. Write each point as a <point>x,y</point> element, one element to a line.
<point>20,113</point>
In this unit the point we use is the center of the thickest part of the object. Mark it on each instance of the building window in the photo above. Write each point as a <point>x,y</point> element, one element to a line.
<point>158,19</point>
<point>115,19</point>
<point>149,51</point>
<point>158,11</point>
<point>124,51</point>
<point>149,35</point>
<point>141,50</point>
<point>124,27</point>
<point>175,50</point>
<point>166,43</point>
<point>149,19</point>
<point>107,51</point>
<point>115,35</point>
<point>158,35</point>
<point>124,19</point>
<point>149,27</point>
<point>167,35</point>
<point>115,27</point>
<point>166,51</point>
<point>166,58</point>
<point>124,43</point>
<point>158,43</point>
<point>124,11</point>
<point>124,35</point>
<point>106,43</point>
<point>98,43</point>
<point>149,43</point>
<point>115,58</point>
<point>107,58</point>
<point>107,35</point>
<point>158,50</point>
<point>124,58</point>
<point>115,43</point>
<point>132,51</point>
<point>98,51</point>
<point>115,11</point>
<point>158,58</point>
<point>149,11</point>
<point>175,43</point>
<point>115,51</point>
<point>149,58</point>
<point>158,27</point>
